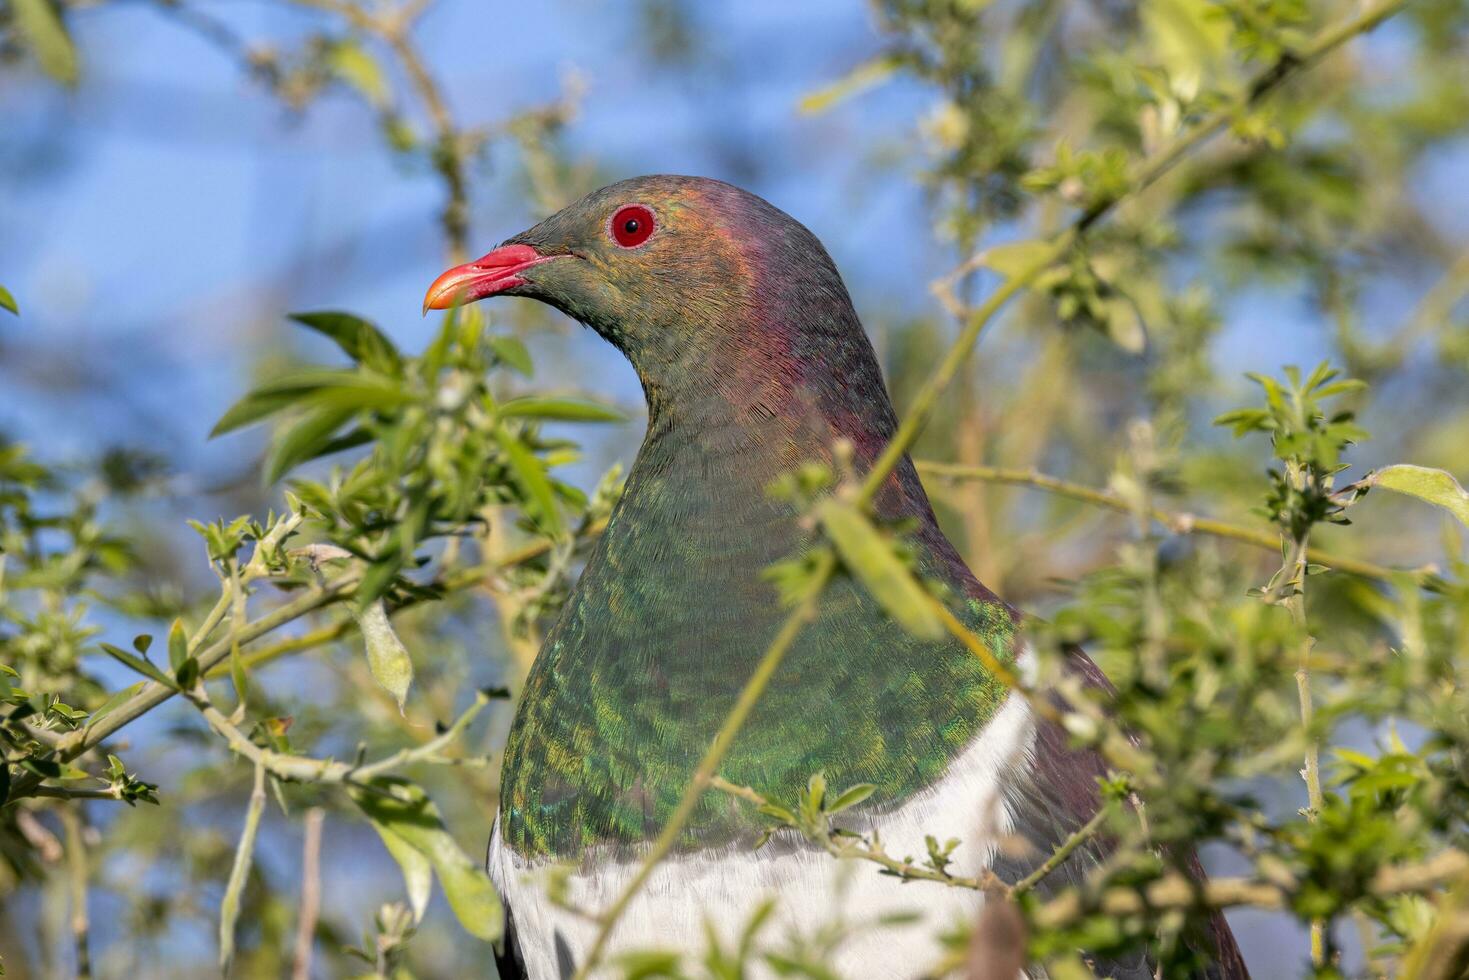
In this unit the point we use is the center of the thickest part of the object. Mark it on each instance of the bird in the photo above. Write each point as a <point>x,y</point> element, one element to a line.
<point>752,361</point>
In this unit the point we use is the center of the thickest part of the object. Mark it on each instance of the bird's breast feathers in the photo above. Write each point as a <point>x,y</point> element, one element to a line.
<point>724,886</point>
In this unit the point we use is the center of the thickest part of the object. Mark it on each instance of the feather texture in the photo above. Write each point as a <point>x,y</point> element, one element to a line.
<point>753,361</point>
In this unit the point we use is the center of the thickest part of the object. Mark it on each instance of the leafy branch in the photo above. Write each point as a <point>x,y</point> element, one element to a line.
<point>1032,259</point>
<point>1177,522</point>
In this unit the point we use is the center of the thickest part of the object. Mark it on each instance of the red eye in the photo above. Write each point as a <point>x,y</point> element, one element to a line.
<point>632,225</point>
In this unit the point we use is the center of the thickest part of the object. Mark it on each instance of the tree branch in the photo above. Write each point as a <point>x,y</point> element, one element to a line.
<point>1176,891</point>
<point>1178,522</point>
<point>1288,66</point>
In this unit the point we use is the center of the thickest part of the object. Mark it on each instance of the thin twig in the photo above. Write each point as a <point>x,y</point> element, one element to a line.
<point>310,894</point>
<point>229,906</point>
<point>1178,522</point>
<point>1067,848</point>
<point>76,863</point>
<point>1177,891</point>
<point>866,849</point>
<point>1288,66</point>
<point>1294,587</point>
<point>299,768</point>
<point>69,793</point>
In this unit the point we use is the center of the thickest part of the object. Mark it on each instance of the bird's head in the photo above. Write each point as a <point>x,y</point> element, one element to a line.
<point>683,274</point>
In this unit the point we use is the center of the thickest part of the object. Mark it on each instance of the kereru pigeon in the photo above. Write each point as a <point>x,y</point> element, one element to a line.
<point>753,362</point>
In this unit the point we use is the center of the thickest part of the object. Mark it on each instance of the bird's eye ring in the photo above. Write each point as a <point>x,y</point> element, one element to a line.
<point>632,225</point>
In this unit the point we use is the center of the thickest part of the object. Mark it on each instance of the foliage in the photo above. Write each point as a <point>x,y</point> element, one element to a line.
<point>1288,676</point>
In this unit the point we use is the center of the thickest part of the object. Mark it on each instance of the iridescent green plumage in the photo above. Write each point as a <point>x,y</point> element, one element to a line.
<point>764,367</point>
<point>753,362</point>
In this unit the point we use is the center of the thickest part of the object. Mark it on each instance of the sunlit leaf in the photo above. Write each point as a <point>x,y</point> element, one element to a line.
<point>45,34</point>
<point>850,797</point>
<point>559,409</point>
<point>1016,258</point>
<point>1425,483</point>
<point>403,810</point>
<point>530,473</point>
<point>306,439</point>
<point>871,558</point>
<point>322,388</point>
<point>138,664</point>
<point>352,64</point>
<point>418,872</point>
<point>178,644</point>
<point>865,76</point>
<point>7,301</point>
<point>388,659</point>
<point>358,338</point>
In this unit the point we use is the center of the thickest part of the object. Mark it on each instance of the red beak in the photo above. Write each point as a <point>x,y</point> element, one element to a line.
<point>485,276</point>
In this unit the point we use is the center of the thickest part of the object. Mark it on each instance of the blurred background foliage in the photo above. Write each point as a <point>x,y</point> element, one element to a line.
<point>179,176</point>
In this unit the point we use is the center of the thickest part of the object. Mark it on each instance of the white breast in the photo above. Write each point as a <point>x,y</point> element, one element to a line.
<point>812,890</point>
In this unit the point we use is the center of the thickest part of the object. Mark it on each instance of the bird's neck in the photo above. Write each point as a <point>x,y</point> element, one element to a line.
<point>672,614</point>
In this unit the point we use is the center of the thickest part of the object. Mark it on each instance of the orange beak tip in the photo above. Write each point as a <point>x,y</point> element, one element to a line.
<point>486,276</point>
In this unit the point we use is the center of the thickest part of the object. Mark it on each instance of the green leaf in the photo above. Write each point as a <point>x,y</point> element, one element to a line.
<point>388,659</point>
<point>237,676</point>
<point>406,812</point>
<point>1435,486</point>
<point>46,36</point>
<point>116,699</point>
<point>349,62</point>
<point>850,797</point>
<point>530,473</point>
<point>871,559</point>
<point>178,644</point>
<point>868,74</point>
<point>512,353</point>
<point>307,439</point>
<point>778,812</point>
<point>559,409</point>
<point>377,579</point>
<point>346,389</point>
<point>7,301</point>
<point>138,664</point>
<point>418,873</point>
<point>1017,258</point>
<point>359,339</point>
<point>188,673</point>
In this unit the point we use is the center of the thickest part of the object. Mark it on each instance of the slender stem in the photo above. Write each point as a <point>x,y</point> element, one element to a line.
<point>212,659</point>
<point>1287,66</point>
<point>953,359</point>
<point>67,793</point>
<point>1177,891</point>
<point>229,907</point>
<point>864,849</point>
<point>1067,848</point>
<point>328,771</point>
<point>1295,601</point>
<point>310,894</point>
<point>1178,522</point>
<point>709,765</point>
<point>76,863</point>
<point>456,581</point>
<point>393,29</point>
<point>153,694</point>
<point>212,619</point>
